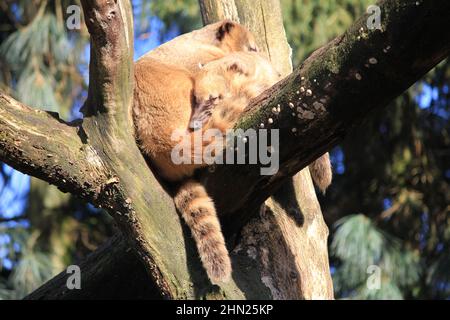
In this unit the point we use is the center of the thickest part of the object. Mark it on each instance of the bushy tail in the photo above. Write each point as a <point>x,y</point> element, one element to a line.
<point>321,172</point>
<point>197,210</point>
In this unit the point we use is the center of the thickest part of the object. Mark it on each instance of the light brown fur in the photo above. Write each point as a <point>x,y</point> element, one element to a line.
<point>214,41</point>
<point>163,99</point>
<point>199,213</point>
<point>224,87</point>
<point>164,86</point>
<point>321,172</point>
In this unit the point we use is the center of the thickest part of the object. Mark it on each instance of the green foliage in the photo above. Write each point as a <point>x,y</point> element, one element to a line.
<point>179,16</point>
<point>438,275</point>
<point>395,169</point>
<point>31,267</point>
<point>311,24</point>
<point>396,174</point>
<point>359,244</point>
<point>25,52</point>
<point>41,59</point>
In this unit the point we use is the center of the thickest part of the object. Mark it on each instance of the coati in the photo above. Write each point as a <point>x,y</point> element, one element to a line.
<point>223,88</point>
<point>163,99</point>
<point>163,103</point>
<point>172,92</point>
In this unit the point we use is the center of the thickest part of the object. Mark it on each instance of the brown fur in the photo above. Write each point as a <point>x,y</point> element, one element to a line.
<point>164,85</point>
<point>163,99</point>
<point>224,87</point>
<point>197,209</point>
<point>201,46</point>
<point>227,85</point>
<point>321,172</point>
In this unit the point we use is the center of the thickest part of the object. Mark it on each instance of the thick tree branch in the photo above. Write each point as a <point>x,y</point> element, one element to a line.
<point>38,143</point>
<point>142,209</point>
<point>109,129</point>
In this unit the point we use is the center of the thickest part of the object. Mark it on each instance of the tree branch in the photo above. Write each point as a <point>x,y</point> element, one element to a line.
<point>106,281</point>
<point>12,219</point>
<point>38,143</point>
<point>109,129</point>
<point>130,191</point>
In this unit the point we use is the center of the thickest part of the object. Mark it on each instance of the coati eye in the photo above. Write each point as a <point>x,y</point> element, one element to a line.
<point>251,48</point>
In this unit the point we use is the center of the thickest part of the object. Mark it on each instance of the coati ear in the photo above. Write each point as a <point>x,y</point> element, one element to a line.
<point>238,67</point>
<point>224,29</point>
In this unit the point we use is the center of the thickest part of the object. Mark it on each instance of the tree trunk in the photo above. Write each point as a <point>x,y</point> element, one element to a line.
<point>98,160</point>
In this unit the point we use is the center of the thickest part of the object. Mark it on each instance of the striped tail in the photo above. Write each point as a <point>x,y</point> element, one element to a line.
<point>321,172</point>
<point>197,210</point>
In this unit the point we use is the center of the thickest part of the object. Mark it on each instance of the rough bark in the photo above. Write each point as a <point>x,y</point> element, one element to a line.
<point>38,143</point>
<point>355,73</point>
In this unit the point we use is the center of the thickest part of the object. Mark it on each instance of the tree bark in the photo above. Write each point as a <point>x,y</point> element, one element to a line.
<point>118,275</point>
<point>349,77</point>
<point>38,143</point>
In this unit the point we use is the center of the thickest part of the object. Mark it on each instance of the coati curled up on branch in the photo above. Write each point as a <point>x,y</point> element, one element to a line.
<point>207,76</point>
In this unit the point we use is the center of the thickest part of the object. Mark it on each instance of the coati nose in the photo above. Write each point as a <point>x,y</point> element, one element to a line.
<point>201,114</point>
